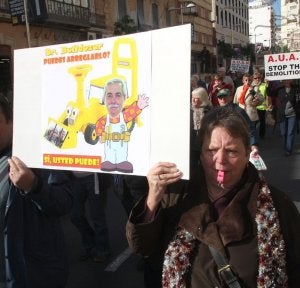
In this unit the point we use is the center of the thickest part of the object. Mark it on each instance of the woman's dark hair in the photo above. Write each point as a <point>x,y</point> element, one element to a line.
<point>227,118</point>
<point>6,107</point>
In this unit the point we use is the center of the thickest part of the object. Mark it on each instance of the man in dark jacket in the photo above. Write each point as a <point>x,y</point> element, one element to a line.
<point>32,248</point>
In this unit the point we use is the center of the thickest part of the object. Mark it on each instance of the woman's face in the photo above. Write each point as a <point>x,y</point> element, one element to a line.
<point>221,152</point>
<point>196,102</point>
<point>246,80</point>
<point>256,79</point>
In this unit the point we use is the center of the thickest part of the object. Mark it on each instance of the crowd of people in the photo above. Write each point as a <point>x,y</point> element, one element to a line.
<point>275,103</point>
<point>189,233</point>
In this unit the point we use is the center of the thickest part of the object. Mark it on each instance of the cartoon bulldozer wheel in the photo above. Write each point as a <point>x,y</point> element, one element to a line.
<point>90,134</point>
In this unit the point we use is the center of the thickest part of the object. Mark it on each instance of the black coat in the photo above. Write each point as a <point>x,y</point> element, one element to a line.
<point>35,250</point>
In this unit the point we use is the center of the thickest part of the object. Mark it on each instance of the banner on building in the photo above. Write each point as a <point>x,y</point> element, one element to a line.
<point>101,105</point>
<point>17,11</point>
<point>37,11</point>
<point>282,66</point>
<point>239,65</point>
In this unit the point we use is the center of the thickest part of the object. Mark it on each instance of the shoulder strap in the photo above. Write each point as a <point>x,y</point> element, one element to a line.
<point>224,269</point>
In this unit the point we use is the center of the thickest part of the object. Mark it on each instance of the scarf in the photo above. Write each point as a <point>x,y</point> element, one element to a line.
<point>271,249</point>
<point>243,94</point>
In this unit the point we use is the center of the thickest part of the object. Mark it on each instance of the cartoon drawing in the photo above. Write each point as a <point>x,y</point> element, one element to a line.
<point>79,115</point>
<point>112,128</point>
<point>109,113</point>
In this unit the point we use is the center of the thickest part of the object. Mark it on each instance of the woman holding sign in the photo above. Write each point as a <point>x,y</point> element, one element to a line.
<point>225,227</point>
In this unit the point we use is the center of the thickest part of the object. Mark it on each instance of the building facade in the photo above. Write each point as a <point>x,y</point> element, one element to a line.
<point>149,14</point>
<point>261,28</point>
<point>64,21</point>
<point>60,21</point>
<point>290,29</point>
<point>230,20</point>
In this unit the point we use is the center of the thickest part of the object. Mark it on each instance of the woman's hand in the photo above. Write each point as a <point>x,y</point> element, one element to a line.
<point>20,175</point>
<point>159,177</point>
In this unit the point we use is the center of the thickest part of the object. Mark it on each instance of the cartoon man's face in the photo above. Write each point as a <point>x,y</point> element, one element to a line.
<point>114,99</point>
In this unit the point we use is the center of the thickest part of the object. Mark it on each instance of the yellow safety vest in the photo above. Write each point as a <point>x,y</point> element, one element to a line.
<point>263,90</point>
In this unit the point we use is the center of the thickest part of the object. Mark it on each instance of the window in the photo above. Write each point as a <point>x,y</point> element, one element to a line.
<point>222,20</point>
<point>140,12</point>
<point>194,34</point>
<point>193,68</point>
<point>203,38</point>
<point>202,12</point>
<point>155,15</point>
<point>84,3</point>
<point>122,11</point>
<point>168,17</point>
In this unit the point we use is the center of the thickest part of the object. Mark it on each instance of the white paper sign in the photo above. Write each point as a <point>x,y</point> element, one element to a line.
<point>64,119</point>
<point>282,66</point>
<point>239,65</point>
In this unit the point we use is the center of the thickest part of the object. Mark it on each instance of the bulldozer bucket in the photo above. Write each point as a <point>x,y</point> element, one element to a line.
<point>60,135</point>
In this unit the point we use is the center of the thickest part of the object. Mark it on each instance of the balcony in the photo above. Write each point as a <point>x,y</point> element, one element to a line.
<point>63,13</point>
<point>68,14</point>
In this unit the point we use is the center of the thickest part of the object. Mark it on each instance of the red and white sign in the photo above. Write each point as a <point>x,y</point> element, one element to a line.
<point>282,66</point>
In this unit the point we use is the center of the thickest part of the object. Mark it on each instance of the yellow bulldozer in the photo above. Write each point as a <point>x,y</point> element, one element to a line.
<point>82,114</point>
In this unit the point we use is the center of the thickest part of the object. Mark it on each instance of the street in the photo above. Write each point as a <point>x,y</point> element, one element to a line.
<point>121,271</point>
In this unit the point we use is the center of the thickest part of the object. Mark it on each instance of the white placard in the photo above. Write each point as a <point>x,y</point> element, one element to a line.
<point>282,66</point>
<point>58,97</point>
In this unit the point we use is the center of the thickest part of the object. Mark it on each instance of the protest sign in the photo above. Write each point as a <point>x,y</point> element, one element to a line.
<point>282,66</point>
<point>239,65</point>
<point>66,115</point>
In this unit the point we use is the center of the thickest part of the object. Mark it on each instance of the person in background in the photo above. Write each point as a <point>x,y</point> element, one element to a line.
<point>196,82</point>
<point>200,106</point>
<point>238,80</point>
<point>129,189</point>
<point>272,91</point>
<point>248,99</point>
<point>33,253</point>
<point>241,91</point>
<point>216,85</point>
<point>286,114</point>
<point>201,83</point>
<point>226,100</point>
<point>92,187</point>
<point>226,79</point>
<point>224,212</point>
<point>259,86</point>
